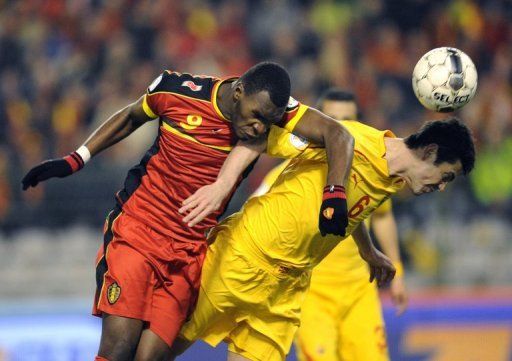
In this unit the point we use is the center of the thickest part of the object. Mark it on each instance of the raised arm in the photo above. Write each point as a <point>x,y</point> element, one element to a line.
<point>322,130</point>
<point>117,127</point>
<point>114,129</point>
<point>381,267</point>
<point>339,146</point>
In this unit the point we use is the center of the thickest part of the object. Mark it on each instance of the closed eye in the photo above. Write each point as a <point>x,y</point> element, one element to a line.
<point>260,117</point>
<point>448,177</point>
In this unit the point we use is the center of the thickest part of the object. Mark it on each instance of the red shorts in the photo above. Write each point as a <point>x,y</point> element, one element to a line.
<point>145,275</point>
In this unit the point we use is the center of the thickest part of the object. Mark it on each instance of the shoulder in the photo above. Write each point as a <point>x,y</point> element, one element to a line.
<point>193,86</point>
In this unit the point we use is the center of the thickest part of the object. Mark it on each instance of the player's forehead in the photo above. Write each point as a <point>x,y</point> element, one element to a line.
<point>339,109</point>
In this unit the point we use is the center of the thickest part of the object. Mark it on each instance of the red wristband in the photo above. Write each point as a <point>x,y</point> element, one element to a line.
<point>334,191</point>
<point>75,161</point>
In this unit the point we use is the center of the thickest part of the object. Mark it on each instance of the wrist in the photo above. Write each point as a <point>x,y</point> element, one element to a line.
<point>78,158</point>
<point>334,191</point>
<point>367,251</point>
<point>84,153</point>
<point>225,183</point>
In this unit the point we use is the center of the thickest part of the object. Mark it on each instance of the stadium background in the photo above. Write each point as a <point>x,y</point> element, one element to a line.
<point>67,65</point>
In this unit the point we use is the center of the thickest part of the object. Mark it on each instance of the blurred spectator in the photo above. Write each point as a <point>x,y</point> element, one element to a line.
<point>66,65</point>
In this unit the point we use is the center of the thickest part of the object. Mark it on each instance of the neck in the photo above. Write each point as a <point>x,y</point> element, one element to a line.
<point>397,156</point>
<point>225,99</point>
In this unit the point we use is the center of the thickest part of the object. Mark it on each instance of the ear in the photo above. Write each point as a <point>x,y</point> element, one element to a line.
<point>430,151</point>
<point>239,91</point>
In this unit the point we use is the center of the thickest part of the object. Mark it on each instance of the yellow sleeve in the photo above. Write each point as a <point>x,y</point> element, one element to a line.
<point>283,144</point>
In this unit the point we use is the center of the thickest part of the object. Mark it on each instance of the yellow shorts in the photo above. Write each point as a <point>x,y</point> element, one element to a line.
<point>342,323</point>
<point>252,305</point>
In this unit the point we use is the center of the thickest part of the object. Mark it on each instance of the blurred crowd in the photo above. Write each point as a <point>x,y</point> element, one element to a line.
<point>66,65</point>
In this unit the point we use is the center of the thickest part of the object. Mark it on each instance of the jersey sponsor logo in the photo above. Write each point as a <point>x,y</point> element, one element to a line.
<point>292,103</point>
<point>328,213</point>
<point>155,83</point>
<point>356,180</point>
<point>113,293</point>
<point>298,142</point>
<point>192,86</point>
<point>193,121</point>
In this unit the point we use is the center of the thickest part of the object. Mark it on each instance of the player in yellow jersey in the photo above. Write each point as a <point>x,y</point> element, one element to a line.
<point>341,316</point>
<point>257,270</point>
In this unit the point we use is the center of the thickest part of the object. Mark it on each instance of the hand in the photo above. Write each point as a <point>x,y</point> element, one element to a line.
<point>333,218</point>
<point>399,294</point>
<point>381,267</point>
<point>203,202</point>
<point>53,168</point>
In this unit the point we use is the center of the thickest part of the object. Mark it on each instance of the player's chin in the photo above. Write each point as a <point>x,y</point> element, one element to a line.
<point>423,190</point>
<point>418,192</point>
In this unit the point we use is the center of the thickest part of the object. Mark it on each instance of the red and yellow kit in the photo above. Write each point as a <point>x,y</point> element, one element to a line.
<point>150,263</point>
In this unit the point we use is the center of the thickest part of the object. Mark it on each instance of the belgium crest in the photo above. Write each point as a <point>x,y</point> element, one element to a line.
<point>113,293</point>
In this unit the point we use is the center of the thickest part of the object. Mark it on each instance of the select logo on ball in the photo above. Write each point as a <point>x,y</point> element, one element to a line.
<point>462,99</point>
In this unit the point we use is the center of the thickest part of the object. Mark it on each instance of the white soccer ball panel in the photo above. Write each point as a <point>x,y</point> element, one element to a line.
<point>436,57</point>
<point>470,77</point>
<point>438,75</point>
<point>466,60</point>
<point>421,69</point>
<point>424,87</point>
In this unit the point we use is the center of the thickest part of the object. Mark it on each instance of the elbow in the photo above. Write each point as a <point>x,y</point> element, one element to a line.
<point>338,134</point>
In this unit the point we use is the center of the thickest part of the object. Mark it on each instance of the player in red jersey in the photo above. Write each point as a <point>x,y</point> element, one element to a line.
<point>148,269</point>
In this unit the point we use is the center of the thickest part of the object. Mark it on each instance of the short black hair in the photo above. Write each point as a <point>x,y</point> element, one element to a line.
<point>340,95</point>
<point>270,77</point>
<point>453,138</point>
<point>336,94</point>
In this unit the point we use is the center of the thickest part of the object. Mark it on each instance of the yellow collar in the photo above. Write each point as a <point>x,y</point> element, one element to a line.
<point>214,96</point>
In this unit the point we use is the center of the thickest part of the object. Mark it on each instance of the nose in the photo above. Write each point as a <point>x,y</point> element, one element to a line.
<point>259,128</point>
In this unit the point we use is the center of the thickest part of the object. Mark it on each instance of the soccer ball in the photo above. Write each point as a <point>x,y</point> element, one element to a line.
<point>444,79</point>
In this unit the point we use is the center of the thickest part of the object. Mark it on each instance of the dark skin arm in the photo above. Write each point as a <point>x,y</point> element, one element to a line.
<point>115,128</point>
<point>320,129</point>
<point>209,198</point>
<point>313,125</point>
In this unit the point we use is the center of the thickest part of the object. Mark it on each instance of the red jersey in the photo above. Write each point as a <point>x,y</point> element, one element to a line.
<point>193,142</point>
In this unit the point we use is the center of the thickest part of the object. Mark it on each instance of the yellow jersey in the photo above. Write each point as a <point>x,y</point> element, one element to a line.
<point>344,264</point>
<point>282,225</point>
